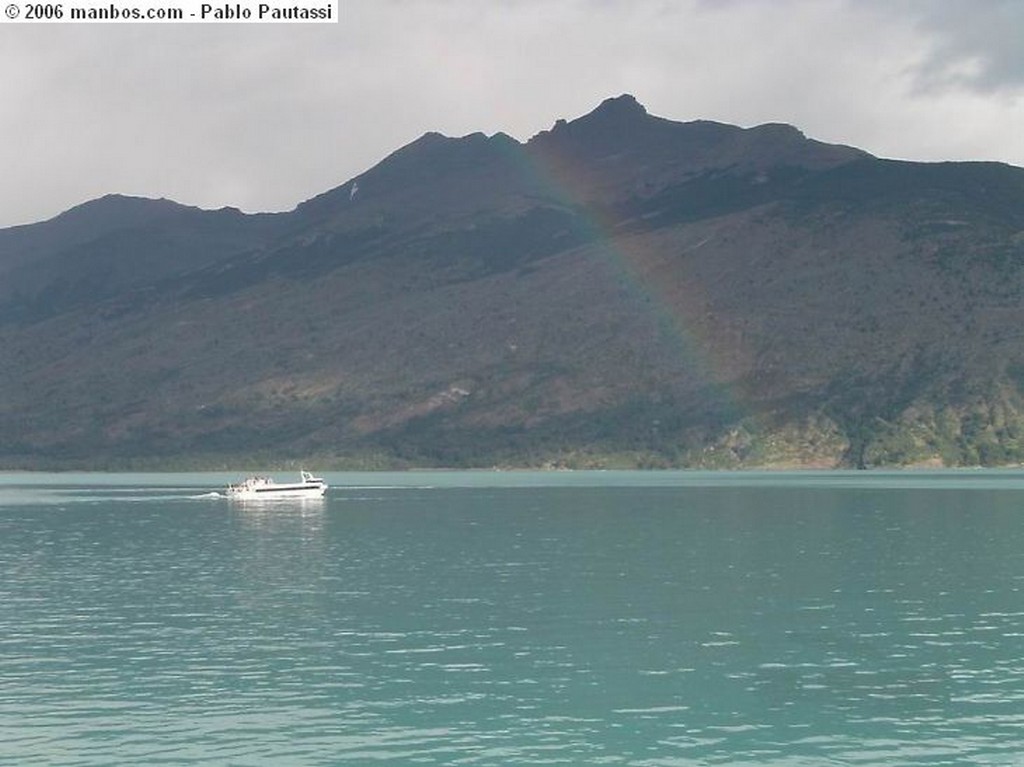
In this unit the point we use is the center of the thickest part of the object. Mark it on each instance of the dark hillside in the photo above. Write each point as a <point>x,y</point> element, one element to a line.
<point>620,290</point>
<point>104,248</point>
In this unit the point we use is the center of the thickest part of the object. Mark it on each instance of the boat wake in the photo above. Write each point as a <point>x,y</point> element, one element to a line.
<point>203,496</point>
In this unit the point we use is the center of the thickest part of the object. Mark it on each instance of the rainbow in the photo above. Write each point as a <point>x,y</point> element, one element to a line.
<point>678,308</point>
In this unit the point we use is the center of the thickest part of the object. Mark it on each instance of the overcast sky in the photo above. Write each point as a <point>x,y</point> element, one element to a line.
<point>261,117</point>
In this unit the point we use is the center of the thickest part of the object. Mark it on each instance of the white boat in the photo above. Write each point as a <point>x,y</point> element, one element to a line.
<point>266,488</point>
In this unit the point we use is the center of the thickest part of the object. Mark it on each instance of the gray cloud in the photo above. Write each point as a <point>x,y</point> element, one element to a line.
<point>262,117</point>
<point>976,43</point>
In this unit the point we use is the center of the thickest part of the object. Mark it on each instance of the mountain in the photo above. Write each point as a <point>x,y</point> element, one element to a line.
<point>622,289</point>
<point>108,246</point>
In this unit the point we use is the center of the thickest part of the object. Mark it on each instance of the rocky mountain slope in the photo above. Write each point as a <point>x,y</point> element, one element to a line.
<point>620,290</point>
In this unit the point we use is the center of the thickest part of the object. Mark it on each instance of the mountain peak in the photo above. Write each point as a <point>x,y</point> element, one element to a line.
<point>621,126</point>
<point>613,122</point>
<point>624,105</point>
<point>611,115</point>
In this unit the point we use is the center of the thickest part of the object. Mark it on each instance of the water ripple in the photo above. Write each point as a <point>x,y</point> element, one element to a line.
<point>485,626</point>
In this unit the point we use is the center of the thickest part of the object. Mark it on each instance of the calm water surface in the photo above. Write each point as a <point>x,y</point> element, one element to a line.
<point>654,620</point>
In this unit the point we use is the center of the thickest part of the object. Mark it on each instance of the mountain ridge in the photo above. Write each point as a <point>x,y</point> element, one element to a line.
<point>621,289</point>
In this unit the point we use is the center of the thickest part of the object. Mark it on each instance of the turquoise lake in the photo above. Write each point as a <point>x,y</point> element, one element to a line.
<point>446,618</point>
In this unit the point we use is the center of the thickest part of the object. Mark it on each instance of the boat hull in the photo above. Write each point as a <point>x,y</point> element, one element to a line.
<point>263,488</point>
<point>281,491</point>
